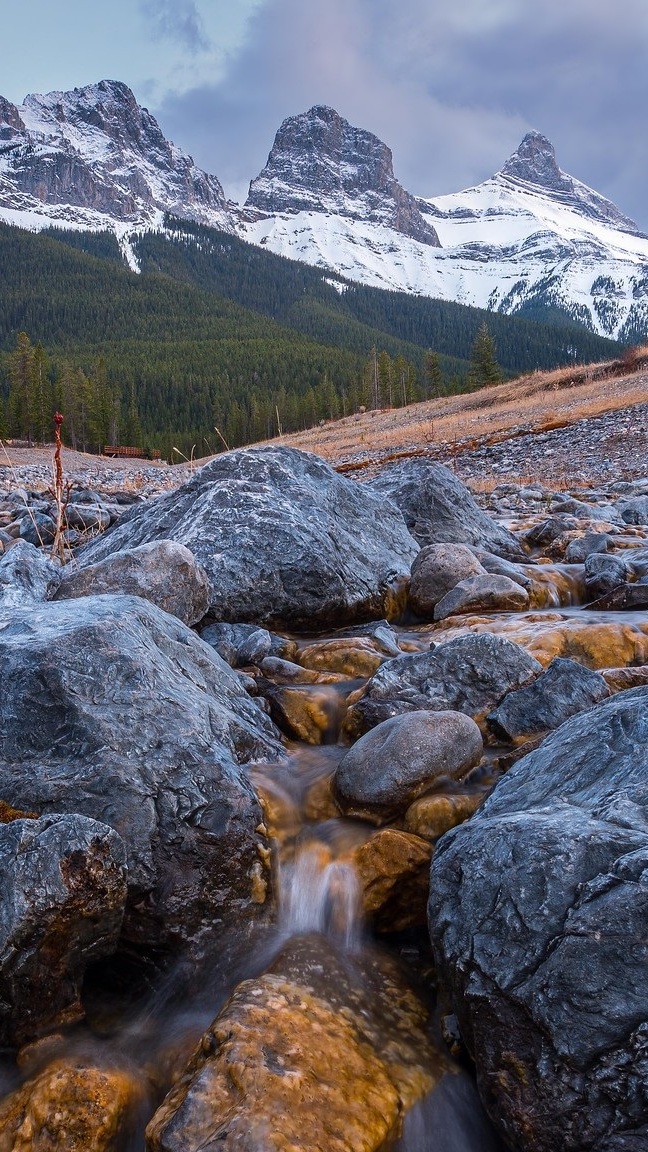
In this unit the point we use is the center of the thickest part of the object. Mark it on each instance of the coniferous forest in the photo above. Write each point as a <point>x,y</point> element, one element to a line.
<point>217,342</point>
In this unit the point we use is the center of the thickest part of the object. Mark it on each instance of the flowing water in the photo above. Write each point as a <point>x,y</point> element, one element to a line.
<point>318,892</point>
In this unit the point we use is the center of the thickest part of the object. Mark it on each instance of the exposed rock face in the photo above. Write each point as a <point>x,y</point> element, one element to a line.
<point>26,577</point>
<point>321,163</point>
<point>163,572</point>
<point>439,509</point>
<point>539,920</point>
<point>116,710</point>
<point>346,1043</point>
<point>284,540</point>
<point>564,689</point>
<point>534,162</point>
<point>96,149</point>
<point>63,880</point>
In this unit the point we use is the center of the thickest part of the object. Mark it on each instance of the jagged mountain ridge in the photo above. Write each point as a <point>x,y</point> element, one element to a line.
<point>531,239</point>
<point>94,158</point>
<point>319,162</point>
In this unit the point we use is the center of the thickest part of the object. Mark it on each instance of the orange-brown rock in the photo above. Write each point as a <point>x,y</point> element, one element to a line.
<point>69,1107</point>
<point>618,679</point>
<point>431,816</point>
<point>319,802</point>
<point>309,1056</point>
<point>355,656</point>
<point>393,868</point>
<point>8,814</point>
<point>305,713</point>
<point>594,643</point>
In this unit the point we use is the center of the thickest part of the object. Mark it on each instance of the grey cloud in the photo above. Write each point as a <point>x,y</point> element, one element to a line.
<point>177,20</point>
<point>451,88</point>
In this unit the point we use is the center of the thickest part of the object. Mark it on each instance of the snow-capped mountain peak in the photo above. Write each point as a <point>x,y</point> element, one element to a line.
<point>320,162</point>
<point>533,165</point>
<point>94,158</point>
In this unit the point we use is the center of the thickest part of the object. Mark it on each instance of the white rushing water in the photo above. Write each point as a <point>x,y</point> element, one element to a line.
<point>320,894</point>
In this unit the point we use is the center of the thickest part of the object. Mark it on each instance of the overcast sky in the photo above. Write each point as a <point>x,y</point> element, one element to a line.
<point>450,87</point>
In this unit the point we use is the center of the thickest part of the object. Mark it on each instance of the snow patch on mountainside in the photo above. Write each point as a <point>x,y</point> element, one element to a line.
<point>529,239</point>
<point>510,244</point>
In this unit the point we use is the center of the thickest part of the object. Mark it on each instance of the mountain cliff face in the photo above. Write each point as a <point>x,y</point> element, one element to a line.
<point>530,239</point>
<point>79,156</point>
<point>321,163</point>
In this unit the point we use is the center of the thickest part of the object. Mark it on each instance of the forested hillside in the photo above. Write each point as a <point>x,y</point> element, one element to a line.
<point>219,342</point>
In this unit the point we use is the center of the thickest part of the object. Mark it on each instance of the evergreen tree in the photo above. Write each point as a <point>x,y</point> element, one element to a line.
<point>21,388</point>
<point>484,368</point>
<point>433,374</point>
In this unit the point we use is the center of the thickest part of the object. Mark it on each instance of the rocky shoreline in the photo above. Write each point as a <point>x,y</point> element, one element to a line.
<point>266,705</point>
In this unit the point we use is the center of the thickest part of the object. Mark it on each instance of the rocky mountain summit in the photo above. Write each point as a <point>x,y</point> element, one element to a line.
<point>534,163</point>
<point>319,162</point>
<point>531,237</point>
<point>94,156</point>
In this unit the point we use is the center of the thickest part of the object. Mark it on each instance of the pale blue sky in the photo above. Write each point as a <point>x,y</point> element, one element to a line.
<point>450,87</point>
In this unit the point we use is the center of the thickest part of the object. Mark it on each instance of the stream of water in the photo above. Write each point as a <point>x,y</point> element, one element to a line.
<point>317,894</point>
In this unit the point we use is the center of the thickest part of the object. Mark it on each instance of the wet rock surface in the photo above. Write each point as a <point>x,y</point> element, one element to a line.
<point>313,1054</point>
<point>538,918</point>
<point>395,763</point>
<point>63,880</point>
<point>121,713</point>
<point>69,1105</point>
<point>469,674</point>
<point>114,709</point>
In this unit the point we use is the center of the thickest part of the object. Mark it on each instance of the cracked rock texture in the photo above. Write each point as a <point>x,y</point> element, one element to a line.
<point>115,710</point>
<point>439,509</point>
<point>538,915</point>
<point>284,540</point>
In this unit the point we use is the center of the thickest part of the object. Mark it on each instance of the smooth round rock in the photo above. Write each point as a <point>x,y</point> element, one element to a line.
<point>436,570</point>
<point>483,594</point>
<point>402,758</point>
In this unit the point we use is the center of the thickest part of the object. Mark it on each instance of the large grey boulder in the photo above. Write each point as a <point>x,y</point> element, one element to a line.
<point>439,509</point>
<point>634,511</point>
<point>164,572</point>
<point>469,674</point>
<point>603,573</point>
<point>114,709</point>
<point>565,688</point>
<point>401,759</point>
<point>539,919</point>
<point>63,882</point>
<point>26,577</point>
<point>285,541</point>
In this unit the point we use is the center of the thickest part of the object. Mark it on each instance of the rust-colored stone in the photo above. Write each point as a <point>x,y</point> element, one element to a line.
<point>68,1106</point>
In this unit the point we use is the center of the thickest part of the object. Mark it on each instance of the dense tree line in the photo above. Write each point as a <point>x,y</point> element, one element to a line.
<point>167,360</point>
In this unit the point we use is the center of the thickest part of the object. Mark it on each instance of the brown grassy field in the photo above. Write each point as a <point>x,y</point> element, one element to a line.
<point>534,403</point>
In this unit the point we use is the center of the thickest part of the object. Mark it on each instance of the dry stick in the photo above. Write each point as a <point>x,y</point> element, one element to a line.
<point>58,545</point>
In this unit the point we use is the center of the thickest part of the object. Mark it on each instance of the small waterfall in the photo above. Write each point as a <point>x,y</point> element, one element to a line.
<point>450,1119</point>
<point>318,893</point>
